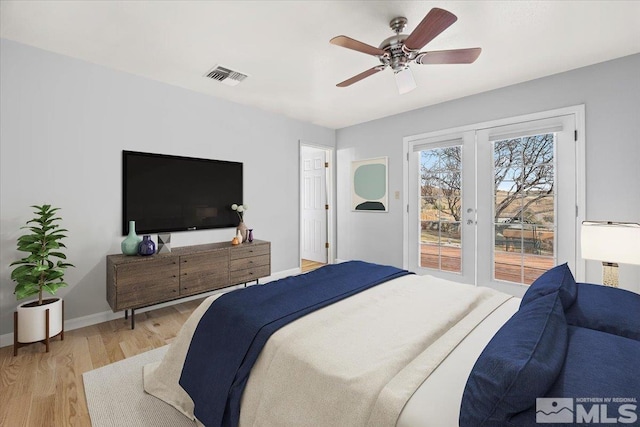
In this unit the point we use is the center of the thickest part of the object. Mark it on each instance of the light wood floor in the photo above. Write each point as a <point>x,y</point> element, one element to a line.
<point>308,265</point>
<point>45,389</point>
<point>39,389</point>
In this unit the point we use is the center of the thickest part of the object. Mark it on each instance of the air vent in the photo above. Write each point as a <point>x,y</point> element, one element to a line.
<point>226,76</point>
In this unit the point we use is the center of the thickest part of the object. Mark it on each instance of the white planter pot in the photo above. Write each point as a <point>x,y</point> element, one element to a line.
<point>32,320</point>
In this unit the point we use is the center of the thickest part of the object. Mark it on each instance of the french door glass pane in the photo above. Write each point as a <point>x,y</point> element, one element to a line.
<point>441,208</point>
<point>524,207</point>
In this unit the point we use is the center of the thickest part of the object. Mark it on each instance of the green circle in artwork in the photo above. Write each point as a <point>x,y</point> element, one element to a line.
<point>369,181</point>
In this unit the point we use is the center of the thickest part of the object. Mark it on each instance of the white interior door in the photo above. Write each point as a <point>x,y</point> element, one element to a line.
<point>314,204</point>
<point>493,205</point>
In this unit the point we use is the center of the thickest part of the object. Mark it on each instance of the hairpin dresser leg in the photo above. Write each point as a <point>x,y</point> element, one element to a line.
<point>133,318</point>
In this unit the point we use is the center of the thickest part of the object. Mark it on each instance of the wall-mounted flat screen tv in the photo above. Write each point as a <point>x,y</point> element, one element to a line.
<point>169,193</point>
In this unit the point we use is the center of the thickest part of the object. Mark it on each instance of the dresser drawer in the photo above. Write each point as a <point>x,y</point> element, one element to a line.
<point>145,272</point>
<point>146,282</point>
<point>204,271</point>
<point>141,296</point>
<point>245,263</point>
<point>247,250</point>
<point>249,274</point>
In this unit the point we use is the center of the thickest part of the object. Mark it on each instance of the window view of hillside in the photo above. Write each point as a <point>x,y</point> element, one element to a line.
<point>441,208</point>
<point>523,208</point>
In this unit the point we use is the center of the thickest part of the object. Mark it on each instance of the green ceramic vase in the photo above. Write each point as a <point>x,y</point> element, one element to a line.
<point>129,245</point>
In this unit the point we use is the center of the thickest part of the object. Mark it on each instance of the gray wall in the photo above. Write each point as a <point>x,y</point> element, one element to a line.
<point>65,123</point>
<point>611,94</point>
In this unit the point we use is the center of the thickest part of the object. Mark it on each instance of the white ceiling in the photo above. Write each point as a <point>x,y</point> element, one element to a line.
<point>284,46</point>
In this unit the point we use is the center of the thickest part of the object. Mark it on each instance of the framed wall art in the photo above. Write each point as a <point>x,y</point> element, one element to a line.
<point>369,192</point>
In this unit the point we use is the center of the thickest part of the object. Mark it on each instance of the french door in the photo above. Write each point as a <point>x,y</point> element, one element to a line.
<point>493,204</point>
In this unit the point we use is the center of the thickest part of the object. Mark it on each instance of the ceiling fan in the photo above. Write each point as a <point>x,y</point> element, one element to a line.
<point>400,50</point>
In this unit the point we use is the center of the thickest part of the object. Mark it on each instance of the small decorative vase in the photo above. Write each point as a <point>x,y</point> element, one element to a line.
<point>146,247</point>
<point>250,236</point>
<point>129,245</point>
<point>242,229</point>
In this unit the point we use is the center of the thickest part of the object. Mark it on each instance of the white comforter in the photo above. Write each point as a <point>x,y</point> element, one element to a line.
<point>354,363</point>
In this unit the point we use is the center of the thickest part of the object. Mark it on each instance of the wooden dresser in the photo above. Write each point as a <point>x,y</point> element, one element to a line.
<point>137,281</point>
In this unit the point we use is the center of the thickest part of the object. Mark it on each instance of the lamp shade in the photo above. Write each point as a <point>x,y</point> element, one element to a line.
<point>616,242</point>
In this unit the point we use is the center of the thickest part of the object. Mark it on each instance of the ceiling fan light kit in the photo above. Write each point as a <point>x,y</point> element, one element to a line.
<point>400,50</point>
<point>404,81</point>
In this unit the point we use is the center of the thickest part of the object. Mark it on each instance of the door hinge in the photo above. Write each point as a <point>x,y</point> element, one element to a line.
<point>326,207</point>
<point>407,208</point>
<point>326,245</point>
<point>326,164</point>
<point>407,156</point>
<point>575,135</point>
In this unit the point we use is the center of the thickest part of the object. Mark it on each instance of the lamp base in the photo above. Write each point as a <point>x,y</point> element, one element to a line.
<point>610,274</point>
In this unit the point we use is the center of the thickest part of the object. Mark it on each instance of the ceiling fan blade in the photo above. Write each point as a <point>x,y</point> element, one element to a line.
<point>353,44</point>
<point>361,76</point>
<point>436,21</point>
<point>455,56</point>
<point>405,81</point>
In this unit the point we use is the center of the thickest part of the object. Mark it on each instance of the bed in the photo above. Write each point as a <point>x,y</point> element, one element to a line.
<point>411,351</point>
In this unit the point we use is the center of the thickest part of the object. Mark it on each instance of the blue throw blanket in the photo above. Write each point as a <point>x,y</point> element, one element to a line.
<point>231,334</point>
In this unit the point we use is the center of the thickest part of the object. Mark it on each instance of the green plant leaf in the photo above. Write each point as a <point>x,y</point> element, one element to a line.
<point>53,237</point>
<point>27,239</point>
<point>38,272</point>
<point>20,262</point>
<point>54,275</point>
<point>40,268</point>
<point>58,254</point>
<point>65,264</point>
<point>33,247</point>
<point>22,271</point>
<point>61,230</point>
<point>21,294</point>
<point>25,289</point>
<point>53,287</point>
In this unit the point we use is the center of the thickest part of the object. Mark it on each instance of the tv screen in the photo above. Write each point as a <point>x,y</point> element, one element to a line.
<point>170,193</point>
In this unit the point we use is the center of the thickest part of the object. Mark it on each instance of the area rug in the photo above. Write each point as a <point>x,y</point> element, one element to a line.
<point>115,396</point>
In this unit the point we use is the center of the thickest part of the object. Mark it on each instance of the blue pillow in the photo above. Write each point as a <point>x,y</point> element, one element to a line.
<point>560,279</point>
<point>606,309</point>
<point>599,364</point>
<point>519,364</point>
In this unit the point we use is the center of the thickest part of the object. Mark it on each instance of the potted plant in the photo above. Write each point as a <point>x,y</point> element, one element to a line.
<point>39,272</point>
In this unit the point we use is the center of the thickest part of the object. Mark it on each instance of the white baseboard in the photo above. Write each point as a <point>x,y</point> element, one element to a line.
<point>105,316</point>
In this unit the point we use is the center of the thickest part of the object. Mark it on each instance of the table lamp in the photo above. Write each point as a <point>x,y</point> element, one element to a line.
<point>611,243</point>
